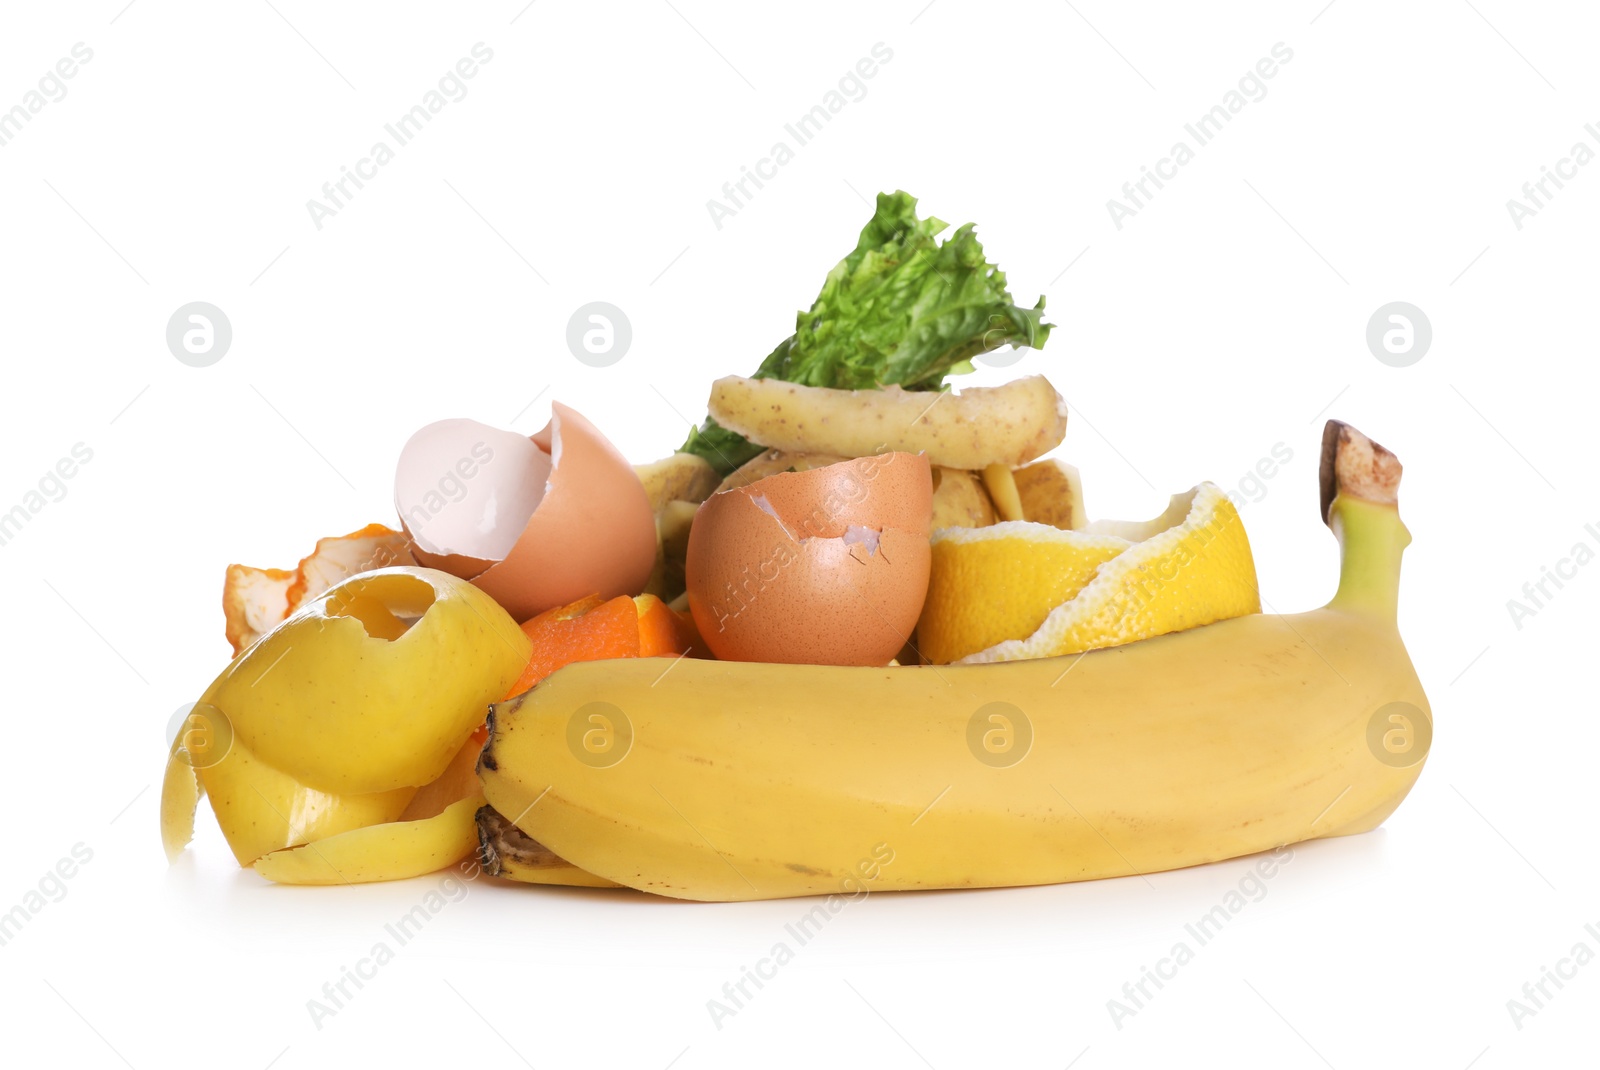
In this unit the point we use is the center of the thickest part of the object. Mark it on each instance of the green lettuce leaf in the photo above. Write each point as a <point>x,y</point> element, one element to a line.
<point>902,309</point>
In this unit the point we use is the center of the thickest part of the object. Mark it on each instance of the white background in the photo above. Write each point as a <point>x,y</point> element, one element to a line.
<point>1226,317</point>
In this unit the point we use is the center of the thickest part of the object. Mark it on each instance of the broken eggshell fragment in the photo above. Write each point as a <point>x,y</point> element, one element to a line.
<point>539,522</point>
<point>827,566</point>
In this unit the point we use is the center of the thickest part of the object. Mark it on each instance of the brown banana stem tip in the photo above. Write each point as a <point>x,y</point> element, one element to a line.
<point>1356,466</point>
<point>499,839</point>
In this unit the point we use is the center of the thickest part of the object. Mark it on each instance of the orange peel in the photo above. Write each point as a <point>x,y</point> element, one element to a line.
<point>256,600</point>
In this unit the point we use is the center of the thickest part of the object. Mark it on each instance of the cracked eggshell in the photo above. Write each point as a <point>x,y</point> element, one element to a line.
<point>592,530</point>
<point>827,566</point>
<point>464,492</point>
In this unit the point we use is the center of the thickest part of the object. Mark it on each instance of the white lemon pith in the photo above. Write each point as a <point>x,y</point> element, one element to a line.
<point>1024,590</point>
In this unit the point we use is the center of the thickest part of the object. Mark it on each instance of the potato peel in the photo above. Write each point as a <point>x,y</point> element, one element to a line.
<point>973,428</point>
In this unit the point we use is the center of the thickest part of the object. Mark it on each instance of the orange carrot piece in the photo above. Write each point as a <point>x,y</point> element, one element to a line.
<point>586,630</point>
<point>664,632</point>
<point>568,611</point>
<point>594,629</point>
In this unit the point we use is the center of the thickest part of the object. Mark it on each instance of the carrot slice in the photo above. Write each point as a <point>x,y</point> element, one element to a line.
<point>568,611</point>
<point>666,633</point>
<point>586,630</point>
<point>594,629</point>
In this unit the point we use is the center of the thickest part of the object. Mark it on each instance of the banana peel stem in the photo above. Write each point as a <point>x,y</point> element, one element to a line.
<point>1360,503</point>
<point>1372,539</point>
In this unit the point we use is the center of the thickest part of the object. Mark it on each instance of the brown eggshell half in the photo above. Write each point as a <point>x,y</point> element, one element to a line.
<point>593,532</point>
<point>456,564</point>
<point>890,490</point>
<point>777,571</point>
